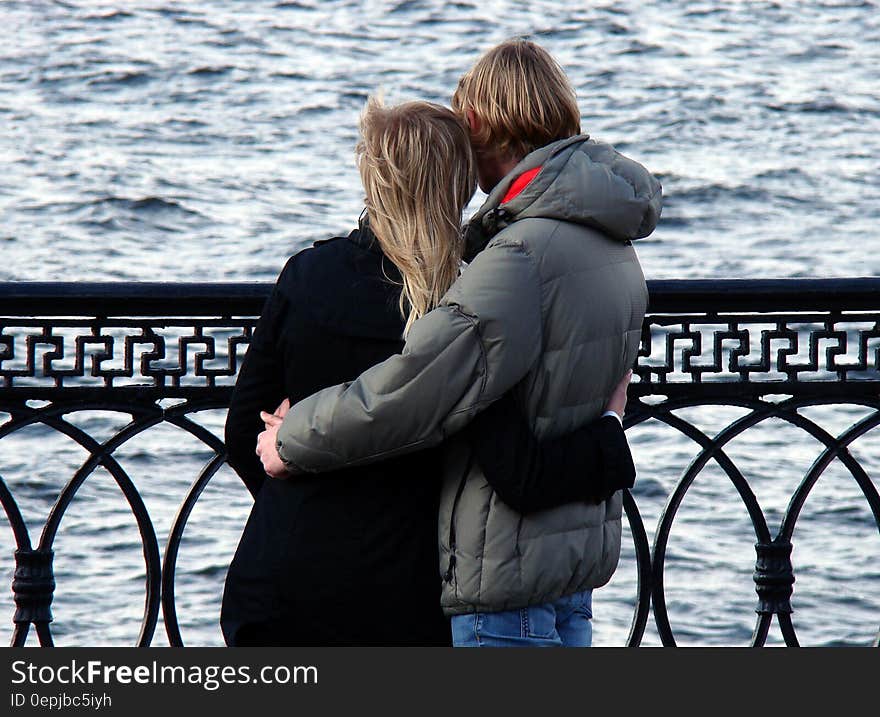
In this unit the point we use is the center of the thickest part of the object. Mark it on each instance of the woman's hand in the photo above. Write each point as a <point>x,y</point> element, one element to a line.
<point>617,401</point>
<point>283,408</point>
<point>266,442</point>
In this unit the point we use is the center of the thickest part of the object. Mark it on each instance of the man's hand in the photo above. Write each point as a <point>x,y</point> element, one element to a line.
<point>266,450</point>
<point>617,401</point>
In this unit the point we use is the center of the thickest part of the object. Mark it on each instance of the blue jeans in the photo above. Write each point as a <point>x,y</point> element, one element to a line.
<point>563,623</point>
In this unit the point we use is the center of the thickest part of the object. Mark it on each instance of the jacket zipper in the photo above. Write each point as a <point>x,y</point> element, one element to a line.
<point>451,567</point>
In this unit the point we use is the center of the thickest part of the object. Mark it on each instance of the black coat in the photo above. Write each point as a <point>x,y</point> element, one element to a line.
<point>317,550</point>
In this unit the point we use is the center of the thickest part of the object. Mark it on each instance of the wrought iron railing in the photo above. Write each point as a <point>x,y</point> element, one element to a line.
<point>771,347</point>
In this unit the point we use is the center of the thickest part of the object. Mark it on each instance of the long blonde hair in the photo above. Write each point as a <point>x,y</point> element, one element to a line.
<point>418,173</point>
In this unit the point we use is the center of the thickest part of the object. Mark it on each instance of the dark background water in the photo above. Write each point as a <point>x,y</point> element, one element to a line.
<point>208,140</point>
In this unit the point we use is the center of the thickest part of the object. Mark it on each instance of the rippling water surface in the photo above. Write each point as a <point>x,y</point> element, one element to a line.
<point>209,140</point>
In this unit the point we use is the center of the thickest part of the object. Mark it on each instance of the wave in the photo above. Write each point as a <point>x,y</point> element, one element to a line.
<point>822,107</point>
<point>818,52</point>
<point>298,76</point>
<point>109,16</point>
<point>406,6</point>
<point>710,193</point>
<point>706,12</point>
<point>649,488</point>
<point>131,78</point>
<point>787,174</point>
<point>668,222</point>
<point>210,71</point>
<point>637,47</point>
<point>719,193</point>
<point>148,204</point>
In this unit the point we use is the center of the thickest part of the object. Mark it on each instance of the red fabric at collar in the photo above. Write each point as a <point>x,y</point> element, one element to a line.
<point>520,183</point>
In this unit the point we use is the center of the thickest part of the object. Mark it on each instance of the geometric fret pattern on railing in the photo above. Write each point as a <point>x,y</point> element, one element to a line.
<point>57,352</point>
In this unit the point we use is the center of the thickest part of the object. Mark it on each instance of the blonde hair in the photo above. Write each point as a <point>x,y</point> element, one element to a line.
<point>418,173</point>
<point>522,98</point>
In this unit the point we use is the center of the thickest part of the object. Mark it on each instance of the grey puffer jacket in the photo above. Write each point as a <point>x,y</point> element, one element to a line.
<point>552,304</point>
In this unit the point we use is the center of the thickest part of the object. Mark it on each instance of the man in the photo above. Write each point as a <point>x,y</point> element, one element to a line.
<point>551,306</point>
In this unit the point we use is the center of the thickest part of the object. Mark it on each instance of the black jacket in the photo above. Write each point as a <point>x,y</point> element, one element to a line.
<point>591,464</point>
<point>315,549</point>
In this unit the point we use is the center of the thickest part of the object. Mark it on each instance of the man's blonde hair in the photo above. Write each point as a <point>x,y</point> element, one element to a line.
<point>521,97</point>
<point>418,172</point>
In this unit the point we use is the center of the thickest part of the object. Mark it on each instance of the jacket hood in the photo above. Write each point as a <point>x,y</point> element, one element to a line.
<point>580,181</point>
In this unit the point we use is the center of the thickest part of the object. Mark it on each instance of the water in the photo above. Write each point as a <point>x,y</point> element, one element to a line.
<point>208,140</point>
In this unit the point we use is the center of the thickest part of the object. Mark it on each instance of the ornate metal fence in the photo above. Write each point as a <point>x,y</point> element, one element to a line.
<point>769,346</point>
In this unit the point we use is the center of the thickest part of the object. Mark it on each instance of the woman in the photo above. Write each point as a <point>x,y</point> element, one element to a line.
<point>316,552</point>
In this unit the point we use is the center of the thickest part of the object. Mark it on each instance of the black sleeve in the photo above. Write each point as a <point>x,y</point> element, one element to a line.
<point>259,387</point>
<point>529,475</point>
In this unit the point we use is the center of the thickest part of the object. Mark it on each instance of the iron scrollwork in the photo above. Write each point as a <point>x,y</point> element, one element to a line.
<point>770,347</point>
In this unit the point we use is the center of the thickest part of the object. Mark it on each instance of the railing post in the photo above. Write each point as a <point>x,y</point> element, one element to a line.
<point>774,577</point>
<point>33,586</point>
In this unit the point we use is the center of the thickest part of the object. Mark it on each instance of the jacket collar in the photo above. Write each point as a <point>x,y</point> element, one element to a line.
<point>363,236</point>
<point>491,217</point>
